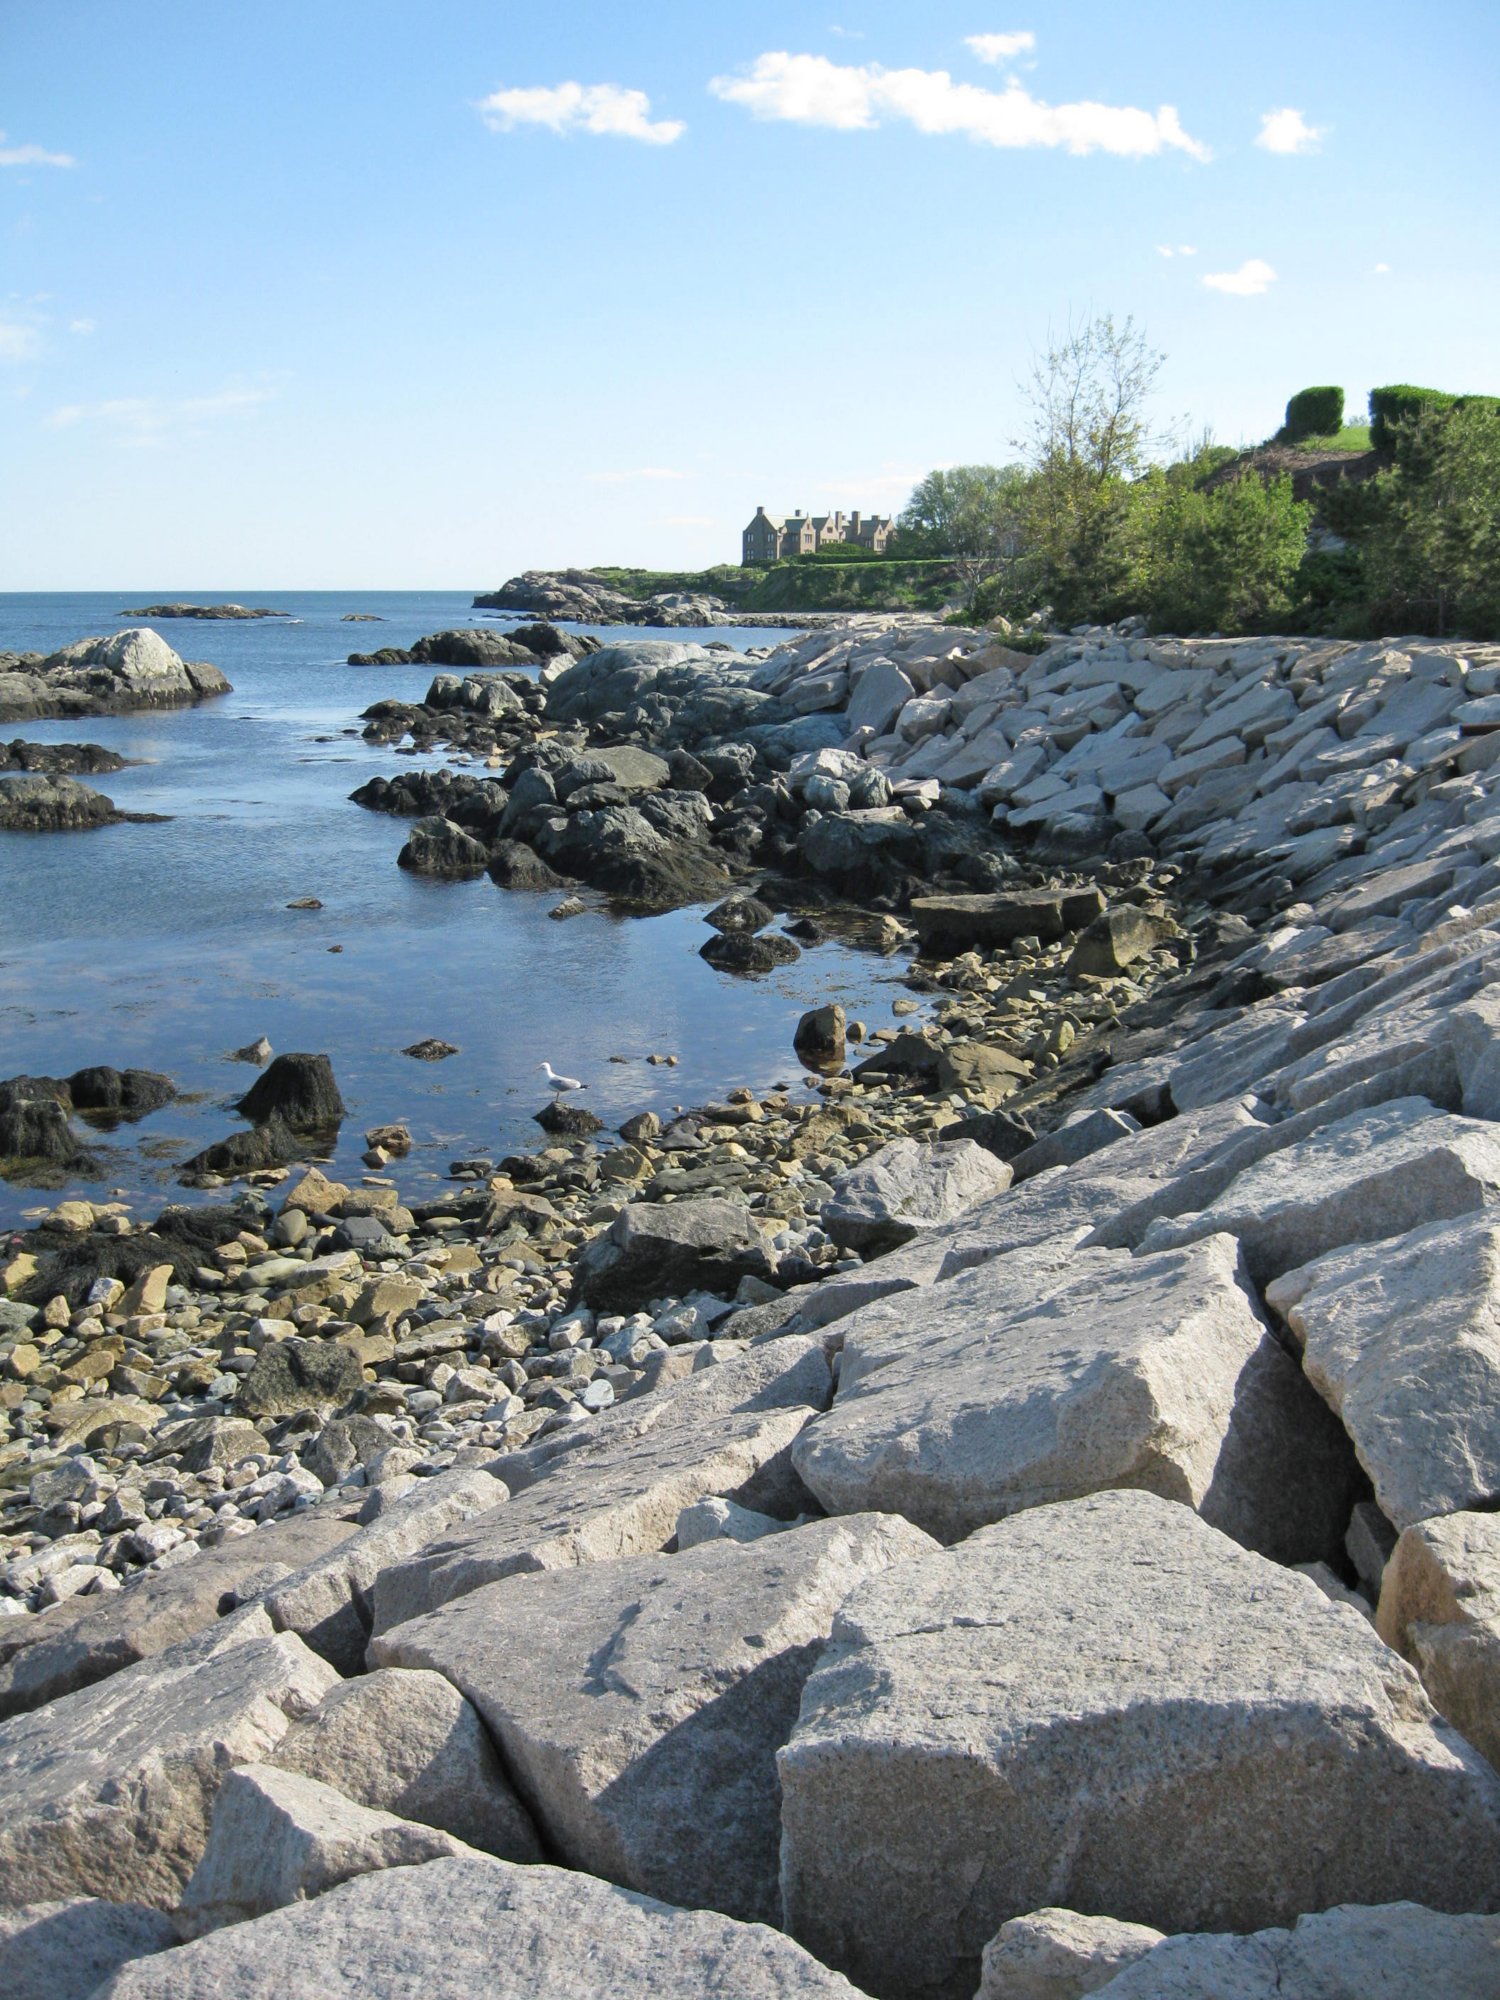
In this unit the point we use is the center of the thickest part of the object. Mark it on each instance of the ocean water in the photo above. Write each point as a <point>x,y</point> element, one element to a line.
<point>166,946</point>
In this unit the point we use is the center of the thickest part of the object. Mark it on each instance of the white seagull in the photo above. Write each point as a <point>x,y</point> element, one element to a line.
<point>561,1083</point>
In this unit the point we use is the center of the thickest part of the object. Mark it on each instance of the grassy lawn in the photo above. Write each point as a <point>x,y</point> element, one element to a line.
<point>1353,437</point>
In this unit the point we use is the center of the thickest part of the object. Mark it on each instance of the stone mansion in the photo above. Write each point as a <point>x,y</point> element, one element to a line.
<point>770,539</point>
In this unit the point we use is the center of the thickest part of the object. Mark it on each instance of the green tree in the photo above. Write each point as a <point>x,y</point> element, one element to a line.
<point>970,514</point>
<point>1429,532</point>
<point>1224,558</point>
<point>1087,438</point>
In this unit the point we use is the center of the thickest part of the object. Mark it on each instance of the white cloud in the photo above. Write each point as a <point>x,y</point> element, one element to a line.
<point>1253,277</point>
<point>605,109</point>
<point>1288,132</point>
<point>150,421</point>
<point>1382,270</point>
<point>18,342</point>
<point>1176,250</point>
<point>636,472</point>
<point>32,156</point>
<point>80,326</point>
<point>1000,48</point>
<point>812,90</point>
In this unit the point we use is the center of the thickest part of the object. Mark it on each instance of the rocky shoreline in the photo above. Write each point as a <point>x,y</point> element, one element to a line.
<point>1019,1522</point>
<point>579,596</point>
<point>224,611</point>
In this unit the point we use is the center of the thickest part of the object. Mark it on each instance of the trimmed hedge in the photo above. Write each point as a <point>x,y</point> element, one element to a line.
<point>1400,401</point>
<point>1314,413</point>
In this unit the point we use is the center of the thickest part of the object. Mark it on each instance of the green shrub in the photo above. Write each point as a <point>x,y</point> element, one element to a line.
<point>1225,560</point>
<point>1398,403</point>
<point>1314,413</point>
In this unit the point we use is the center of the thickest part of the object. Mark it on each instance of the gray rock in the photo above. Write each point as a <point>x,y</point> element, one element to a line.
<point>1394,1951</point>
<point>1402,1339</point>
<point>640,1704</point>
<point>451,1930</point>
<point>278,1838</point>
<point>1154,1373</point>
<point>1376,1174</point>
<point>1059,1955</point>
<point>882,693</point>
<point>327,1603</point>
<point>109,1791</point>
<point>435,846</point>
<point>654,1250</point>
<point>61,1951</point>
<point>1106,1705</point>
<point>908,1188</point>
<point>46,804</point>
<point>620,1499</point>
<point>1076,1140</point>
<point>409,1744</point>
<point>1440,1608</point>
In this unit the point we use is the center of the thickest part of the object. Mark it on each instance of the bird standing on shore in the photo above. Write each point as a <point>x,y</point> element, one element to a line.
<point>561,1084</point>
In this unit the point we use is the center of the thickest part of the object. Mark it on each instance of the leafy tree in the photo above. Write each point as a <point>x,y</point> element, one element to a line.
<point>970,514</point>
<point>1429,532</point>
<point>1225,558</point>
<point>1087,438</point>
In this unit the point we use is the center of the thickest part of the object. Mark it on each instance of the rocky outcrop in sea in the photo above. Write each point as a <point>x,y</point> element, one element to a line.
<point>128,670</point>
<point>1018,1520</point>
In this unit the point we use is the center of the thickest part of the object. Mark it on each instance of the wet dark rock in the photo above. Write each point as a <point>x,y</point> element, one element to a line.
<point>272,1143</point>
<point>299,1088</point>
<point>130,1093</point>
<point>568,1121</point>
<point>293,1375</point>
<point>859,852</point>
<point>34,1124</point>
<point>1001,918</point>
<point>740,916</point>
<point>41,803</point>
<point>431,1050</point>
<point>749,954</point>
<point>819,1037</point>
<point>437,847</point>
<point>471,647</point>
<point>513,865</point>
<point>59,758</point>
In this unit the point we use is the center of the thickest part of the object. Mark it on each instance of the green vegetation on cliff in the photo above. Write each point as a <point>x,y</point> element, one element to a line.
<point>819,583</point>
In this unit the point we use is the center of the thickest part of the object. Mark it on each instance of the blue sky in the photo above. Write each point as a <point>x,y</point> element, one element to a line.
<point>307,293</point>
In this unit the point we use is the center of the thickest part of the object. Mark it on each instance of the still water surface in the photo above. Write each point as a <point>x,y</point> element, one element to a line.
<point>165,946</point>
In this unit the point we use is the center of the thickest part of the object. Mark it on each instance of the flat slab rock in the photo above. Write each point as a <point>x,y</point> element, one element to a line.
<point>1108,1705</point>
<point>1153,1372</point>
<point>1402,1339</point>
<point>109,1790</point>
<point>620,1487</point>
<point>61,1951</point>
<point>1395,1951</point>
<point>1440,1607</point>
<point>458,1929</point>
<point>639,1704</point>
<point>1375,1174</point>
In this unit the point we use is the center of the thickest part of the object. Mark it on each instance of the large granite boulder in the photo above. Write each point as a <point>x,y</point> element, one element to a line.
<point>109,1791</point>
<point>1109,1706</point>
<point>640,1704</point>
<point>1371,1175</point>
<point>279,1838</point>
<point>42,803</point>
<point>1440,1607</point>
<point>113,675</point>
<point>62,1951</point>
<point>964,1402</point>
<point>409,1744</point>
<point>456,1929</point>
<point>1398,1950</point>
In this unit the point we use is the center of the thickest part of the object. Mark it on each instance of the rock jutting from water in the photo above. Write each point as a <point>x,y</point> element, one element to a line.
<point>1012,1520</point>
<point>129,670</point>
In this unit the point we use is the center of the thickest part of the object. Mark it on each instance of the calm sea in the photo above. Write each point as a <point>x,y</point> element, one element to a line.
<point>165,946</point>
